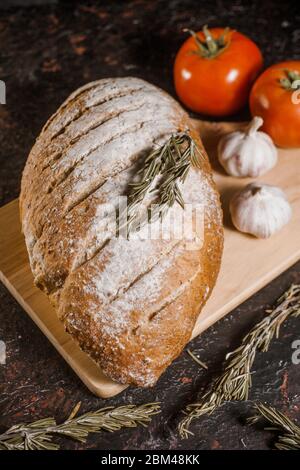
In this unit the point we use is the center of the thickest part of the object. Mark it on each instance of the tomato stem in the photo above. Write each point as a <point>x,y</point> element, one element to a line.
<point>211,44</point>
<point>210,47</point>
<point>291,81</point>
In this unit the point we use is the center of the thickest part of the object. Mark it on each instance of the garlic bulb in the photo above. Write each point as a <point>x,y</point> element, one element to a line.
<point>250,153</point>
<point>260,209</point>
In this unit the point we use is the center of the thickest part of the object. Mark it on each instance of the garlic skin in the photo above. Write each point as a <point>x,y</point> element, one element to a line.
<point>249,153</point>
<point>260,209</point>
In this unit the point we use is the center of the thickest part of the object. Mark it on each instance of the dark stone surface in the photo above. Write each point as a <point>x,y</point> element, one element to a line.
<point>49,50</point>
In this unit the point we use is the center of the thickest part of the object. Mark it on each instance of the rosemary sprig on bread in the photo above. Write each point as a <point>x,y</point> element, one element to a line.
<point>171,163</point>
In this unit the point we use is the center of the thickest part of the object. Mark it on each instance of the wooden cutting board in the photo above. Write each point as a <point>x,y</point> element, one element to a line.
<point>248,264</point>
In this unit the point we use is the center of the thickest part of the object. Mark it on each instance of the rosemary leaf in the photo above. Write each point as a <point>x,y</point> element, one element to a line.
<point>196,359</point>
<point>289,432</point>
<point>235,381</point>
<point>74,411</point>
<point>38,435</point>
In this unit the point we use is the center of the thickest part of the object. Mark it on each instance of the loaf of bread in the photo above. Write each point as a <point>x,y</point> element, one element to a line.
<point>130,303</point>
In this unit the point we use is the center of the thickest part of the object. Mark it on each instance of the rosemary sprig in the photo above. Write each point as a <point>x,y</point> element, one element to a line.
<point>235,381</point>
<point>171,162</point>
<point>38,435</point>
<point>289,432</point>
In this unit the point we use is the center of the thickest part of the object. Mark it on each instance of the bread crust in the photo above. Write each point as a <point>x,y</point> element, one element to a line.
<point>130,304</point>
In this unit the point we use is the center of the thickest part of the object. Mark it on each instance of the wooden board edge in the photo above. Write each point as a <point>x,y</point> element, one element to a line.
<point>104,390</point>
<point>261,284</point>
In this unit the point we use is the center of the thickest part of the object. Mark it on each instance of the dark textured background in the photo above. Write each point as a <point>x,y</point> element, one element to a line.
<point>50,48</point>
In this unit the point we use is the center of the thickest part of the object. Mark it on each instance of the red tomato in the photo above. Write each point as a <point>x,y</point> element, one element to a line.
<point>275,97</point>
<point>214,71</point>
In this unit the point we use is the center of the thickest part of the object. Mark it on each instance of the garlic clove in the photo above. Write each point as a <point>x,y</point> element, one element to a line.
<point>249,153</point>
<point>260,209</point>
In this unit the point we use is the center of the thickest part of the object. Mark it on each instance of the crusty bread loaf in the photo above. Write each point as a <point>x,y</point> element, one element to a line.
<point>131,304</point>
